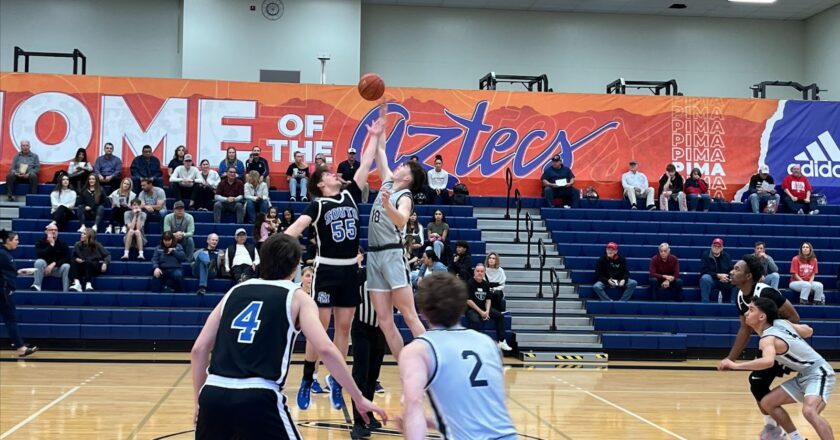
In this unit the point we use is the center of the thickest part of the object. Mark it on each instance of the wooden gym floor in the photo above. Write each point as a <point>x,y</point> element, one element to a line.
<point>75,395</point>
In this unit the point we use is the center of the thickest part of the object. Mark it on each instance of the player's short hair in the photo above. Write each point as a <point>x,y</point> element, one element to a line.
<point>279,257</point>
<point>753,267</point>
<point>442,298</point>
<point>418,176</point>
<point>315,179</point>
<point>768,307</point>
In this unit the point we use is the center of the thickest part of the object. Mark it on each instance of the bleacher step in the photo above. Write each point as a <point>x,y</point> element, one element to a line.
<point>508,236</point>
<point>508,248</point>
<point>564,357</point>
<point>518,261</point>
<point>530,288</point>
<point>556,340</point>
<point>499,212</point>
<point>544,321</point>
<point>507,225</point>
<point>532,275</point>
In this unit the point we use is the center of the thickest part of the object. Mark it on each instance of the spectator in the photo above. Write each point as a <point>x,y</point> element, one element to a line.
<point>414,230</point>
<point>146,166</point>
<point>8,280</point>
<point>167,265</point>
<point>204,190</point>
<point>611,272</point>
<point>697,192</point>
<point>25,166</point>
<point>558,182</point>
<point>287,220</point>
<point>177,160</point>
<point>208,263</point>
<point>256,195</point>
<point>461,261</point>
<point>413,255</point>
<point>438,231</point>
<point>272,219</point>
<point>229,197</point>
<point>182,226</point>
<point>62,202</point>
<point>320,161</point>
<point>90,259</point>
<point>134,221</point>
<point>480,309</point>
<point>496,277</point>
<point>91,203</point>
<point>183,179</point>
<point>769,269</point>
<point>258,164</point>
<point>298,176</point>
<point>262,230</point>
<point>230,161</point>
<point>79,169</point>
<point>120,204</point>
<point>664,274</point>
<point>671,188</point>
<point>347,169</point>
<point>715,266</point>
<point>52,259</point>
<point>241,259</point>
<point>154,200</point>
<point>438,179</point>
<point>635,185</point>
<point>108,169</point>
<point>762,189</point>
<point>803,279</point>
<point>797,192</point>
<point>429,263</point>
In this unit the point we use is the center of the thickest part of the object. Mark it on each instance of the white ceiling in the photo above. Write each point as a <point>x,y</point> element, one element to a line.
<point>781,10</point>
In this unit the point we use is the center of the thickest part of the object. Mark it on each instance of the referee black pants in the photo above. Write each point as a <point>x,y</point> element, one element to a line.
<point>368,352</point>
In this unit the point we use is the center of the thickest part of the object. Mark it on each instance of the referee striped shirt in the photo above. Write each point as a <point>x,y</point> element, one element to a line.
<point>365,312</point>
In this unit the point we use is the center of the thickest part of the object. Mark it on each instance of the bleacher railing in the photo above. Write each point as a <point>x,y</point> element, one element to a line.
<point>555,284</point>
<point>517,200</point>
<point>541,248</point>
<point>529,227</point>
<point>509,182</point>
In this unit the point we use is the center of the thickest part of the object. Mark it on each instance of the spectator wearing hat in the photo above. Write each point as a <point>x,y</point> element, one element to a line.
<point>558,182</point>
<point>664,274</point>
<point>259,164</point>
<point>230,196</point>
<point>347,169</point>
<point>797,192</point>
<point>182,226</point>
<point>183,179</point>
<point>612,272</point>
<point>715,266</point>
<point>635,185</point>
<point>241,259</point>
<point>762,189</point>
<point>461,264</point>
<point>438,179</point>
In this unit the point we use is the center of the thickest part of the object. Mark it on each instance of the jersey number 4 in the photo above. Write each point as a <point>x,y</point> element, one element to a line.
<point>474,382</point>
<point>248,322</point>
<point>343,230</point>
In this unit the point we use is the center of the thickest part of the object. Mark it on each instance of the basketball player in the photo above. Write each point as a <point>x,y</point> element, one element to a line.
<point>335,287</point>
<point>460,368</point>
<point>746,276</point>
<point>252,332</point>
<point>387,270</point>
<point>781,341</point>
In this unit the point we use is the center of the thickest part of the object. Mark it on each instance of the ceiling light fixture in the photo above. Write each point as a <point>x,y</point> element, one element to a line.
<point>753,1</point>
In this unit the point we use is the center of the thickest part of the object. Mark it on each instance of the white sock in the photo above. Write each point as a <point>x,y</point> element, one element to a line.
<point>795,435</point>
<point>769,420</point>
<point>314,376</point>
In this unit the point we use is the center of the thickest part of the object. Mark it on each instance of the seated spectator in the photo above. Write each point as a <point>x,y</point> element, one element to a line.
<point>480,308</point>
<point>262,230</point>
<point>797,192</point>
<point>167,265</point>
<point>284,222</point>
<point>664,274</point>
<point>182,226</point>
<point>671,188</point>
<point>52,259</point>
<point>461,261</point>
<point>91,203</point>
<point>496,277</point>
<point>183,179</point>
<point>347,169</point>
<point>256,195</point>
<point>146,166</point>
<point>715,266</point>
<point>208,263</point>
<point>429,264</point>
<point>414,230</point>
<point>413,256</point>
<point>768,266</point>
<point>230,161</point>
<point>258,164</point>
<point>320,161</point>
<point>135,221</point>
<point>176,161</point>
<point>154,200</point>
<point>25,166</point>
<point>803,269</point>
<point>697,192</point>
<point>438,179</point>
<point>79,169</point>
<point>120,204</point>
<point>438,233</point>
<point>273,219</point>
<point>90,259</point>
<point>611,272</point>
<point>204,190</point>
<point>635,185</point>
<point>762,189</point>
<point>229,197</point>
<point>108,169</point>
<point>298,177</point>
<point>241,259</point>
<point>62,202</point>
<point>558,182</point>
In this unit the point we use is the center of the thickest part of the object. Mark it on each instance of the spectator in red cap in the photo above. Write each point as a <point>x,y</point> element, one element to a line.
<point>558,182</point>
<point>715,266</point>
<point>611,272</point>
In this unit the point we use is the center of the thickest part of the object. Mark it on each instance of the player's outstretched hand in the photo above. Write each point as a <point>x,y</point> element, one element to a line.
<point>365,405</point>
<point>726,365</point>
<point>376,128</point>
<point>386,197</point>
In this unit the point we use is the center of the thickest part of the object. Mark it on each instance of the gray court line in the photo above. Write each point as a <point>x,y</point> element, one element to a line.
<point>154,409</point>
<point>540,419</point>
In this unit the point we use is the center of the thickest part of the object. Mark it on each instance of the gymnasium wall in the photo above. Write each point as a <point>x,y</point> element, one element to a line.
<point>822,52</point>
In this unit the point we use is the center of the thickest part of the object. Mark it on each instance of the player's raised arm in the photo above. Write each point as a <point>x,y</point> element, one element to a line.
<point>376,135</point>
<point>414,373</point>
<point>297,228</point>
<point>804,330</point>
<point>381,158</point>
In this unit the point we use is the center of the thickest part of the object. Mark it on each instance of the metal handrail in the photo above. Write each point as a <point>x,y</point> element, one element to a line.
<point>509,182</point>
<point>541,247</point>
<point>555,282</point>
<point>517,197</point>
<point>529,226</point>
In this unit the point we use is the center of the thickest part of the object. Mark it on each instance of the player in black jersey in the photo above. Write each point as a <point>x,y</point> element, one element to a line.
<point>746,276</point>
<point>334,214</point>
<point>252,332</point>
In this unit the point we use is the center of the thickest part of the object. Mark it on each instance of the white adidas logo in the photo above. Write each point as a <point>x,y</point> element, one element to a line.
<point>820,158</point>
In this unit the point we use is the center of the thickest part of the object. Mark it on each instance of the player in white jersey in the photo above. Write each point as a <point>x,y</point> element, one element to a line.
<point>461,369</point>
<point>781,341</point>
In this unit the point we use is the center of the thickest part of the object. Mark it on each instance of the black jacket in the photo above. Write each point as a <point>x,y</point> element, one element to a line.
<point>709,264</point>
<point>462,267</point>
<point>615,268</point>
<point>58,254</point>
<point>676,184</point>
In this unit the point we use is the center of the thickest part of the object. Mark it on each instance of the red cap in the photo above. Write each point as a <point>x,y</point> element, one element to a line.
<point>612,245</point>
<point>717,241</point>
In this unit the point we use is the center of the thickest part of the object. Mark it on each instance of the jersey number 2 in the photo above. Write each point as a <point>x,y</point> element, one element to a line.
<point>248,322</point>
<point>466,354</point>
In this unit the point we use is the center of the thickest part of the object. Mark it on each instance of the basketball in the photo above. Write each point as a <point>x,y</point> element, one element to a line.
<point>371,86</point>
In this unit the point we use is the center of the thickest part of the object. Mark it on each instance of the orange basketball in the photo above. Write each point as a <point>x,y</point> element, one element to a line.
<point>371,86</point>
